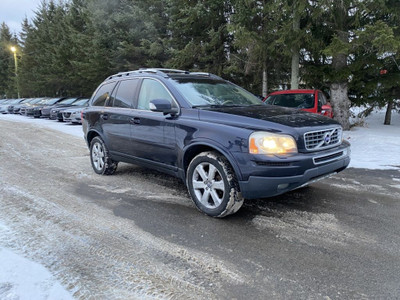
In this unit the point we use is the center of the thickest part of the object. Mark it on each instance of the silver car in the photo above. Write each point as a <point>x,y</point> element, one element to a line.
<point>72,115</point>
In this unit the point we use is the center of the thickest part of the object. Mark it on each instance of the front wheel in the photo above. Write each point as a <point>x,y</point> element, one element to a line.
<point>213,186</point>
<point>100,158</point>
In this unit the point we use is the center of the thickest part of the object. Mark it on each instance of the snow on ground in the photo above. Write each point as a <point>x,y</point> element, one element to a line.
<point>373,146</point>
<point>23,279</point>
<point>72,129</point>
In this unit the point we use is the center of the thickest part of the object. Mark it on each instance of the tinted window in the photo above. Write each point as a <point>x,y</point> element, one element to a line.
<point>102,94</point>
<point>125,93</point>
<point>151,90</point>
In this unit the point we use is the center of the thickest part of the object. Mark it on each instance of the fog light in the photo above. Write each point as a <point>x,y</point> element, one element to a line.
<point>283,186</point>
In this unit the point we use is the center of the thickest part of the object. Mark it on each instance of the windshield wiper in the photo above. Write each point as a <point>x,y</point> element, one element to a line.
<point>219,105</point>
<point>208,105</point>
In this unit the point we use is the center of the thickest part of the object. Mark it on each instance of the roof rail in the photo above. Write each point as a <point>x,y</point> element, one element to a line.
<point>162,72</point>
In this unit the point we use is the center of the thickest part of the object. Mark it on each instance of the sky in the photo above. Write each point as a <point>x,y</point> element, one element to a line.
<point>12,12</point>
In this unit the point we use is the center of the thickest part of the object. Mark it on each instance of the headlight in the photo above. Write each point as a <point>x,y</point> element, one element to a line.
<point>271,143</point>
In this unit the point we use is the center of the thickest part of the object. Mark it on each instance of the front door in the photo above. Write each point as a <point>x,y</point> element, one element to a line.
<point>153,134</point>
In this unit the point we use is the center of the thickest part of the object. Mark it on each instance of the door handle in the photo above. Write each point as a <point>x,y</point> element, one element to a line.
<point>134,121</point>
<point>104,116</point>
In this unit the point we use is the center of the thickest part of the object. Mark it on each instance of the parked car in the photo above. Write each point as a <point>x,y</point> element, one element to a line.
<point>24,107</point>
<point>73,114</point>
<point>313,101</point>
<point>4,106</point>
<point>56,112</point>
<point>16,108</point>
<point>222,141</point>
<point>29,111</point>
<point>37,109</point>
<point>10,107</point>
<point>46,110</point>
<point>7,106</point>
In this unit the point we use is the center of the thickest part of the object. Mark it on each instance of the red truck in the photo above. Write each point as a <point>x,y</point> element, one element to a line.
<point>313,101</point>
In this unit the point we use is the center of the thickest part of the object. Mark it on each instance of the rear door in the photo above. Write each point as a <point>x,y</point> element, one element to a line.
<point>117,126</point>
<point>97,117</point>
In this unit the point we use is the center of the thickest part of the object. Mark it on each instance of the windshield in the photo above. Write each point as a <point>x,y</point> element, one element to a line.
<point>67,101</point>
<point>52,101</point>
<point>209,92</point>
<point>43,101</point>
<point>36,100</point>
<point>292,100</point>
<point>80,102</point>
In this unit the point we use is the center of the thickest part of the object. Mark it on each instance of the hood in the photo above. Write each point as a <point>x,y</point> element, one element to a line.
<point>273,114</point>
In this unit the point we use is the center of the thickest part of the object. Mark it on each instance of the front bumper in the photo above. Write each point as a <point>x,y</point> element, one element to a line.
<point>259,186</point>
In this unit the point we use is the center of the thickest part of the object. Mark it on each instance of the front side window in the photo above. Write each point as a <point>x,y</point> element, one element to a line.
<point>151,90</point>
<point>321,99</point>
<point>102,94</point>
<point>125,93</point>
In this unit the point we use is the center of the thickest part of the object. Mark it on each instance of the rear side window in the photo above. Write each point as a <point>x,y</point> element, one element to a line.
<point>102,94</point>
<point>125,93</point>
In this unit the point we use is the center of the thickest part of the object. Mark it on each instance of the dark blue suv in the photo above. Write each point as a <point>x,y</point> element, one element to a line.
<point>222,141</point>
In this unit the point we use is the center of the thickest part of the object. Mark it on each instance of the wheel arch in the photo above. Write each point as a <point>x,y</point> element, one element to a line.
<point>196,148</point>
<point>91,135</point>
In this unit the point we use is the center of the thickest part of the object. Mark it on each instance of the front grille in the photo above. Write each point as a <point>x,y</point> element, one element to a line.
<point>322,139</point>
<point>66,114</point>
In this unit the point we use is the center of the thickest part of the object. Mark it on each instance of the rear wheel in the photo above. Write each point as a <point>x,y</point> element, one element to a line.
<point>213,186</point>
<point>100,158</point>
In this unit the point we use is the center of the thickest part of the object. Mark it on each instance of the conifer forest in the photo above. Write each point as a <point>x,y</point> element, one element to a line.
<point>347,47</point>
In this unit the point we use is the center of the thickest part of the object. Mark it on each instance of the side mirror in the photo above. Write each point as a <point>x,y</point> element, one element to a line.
<point>327,110</point>
<point>162,105</point>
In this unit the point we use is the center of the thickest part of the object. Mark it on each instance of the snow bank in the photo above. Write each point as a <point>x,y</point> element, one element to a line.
<point>374,145</point>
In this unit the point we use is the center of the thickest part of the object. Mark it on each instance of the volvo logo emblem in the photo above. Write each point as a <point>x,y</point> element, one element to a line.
<point>327,138</point>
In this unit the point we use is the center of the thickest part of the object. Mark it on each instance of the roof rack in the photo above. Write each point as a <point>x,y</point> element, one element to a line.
<point>162,72</point>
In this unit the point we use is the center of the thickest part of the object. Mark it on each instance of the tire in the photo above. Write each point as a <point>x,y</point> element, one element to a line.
<point>213,185</point>
<point>100,158</point>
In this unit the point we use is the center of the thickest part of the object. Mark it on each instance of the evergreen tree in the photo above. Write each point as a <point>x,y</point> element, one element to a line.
<point>348,45</point>
<point>7,71</point>
<point>339,51</point>
<point>198,36</point>
<point>376,72</point>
